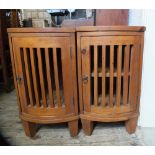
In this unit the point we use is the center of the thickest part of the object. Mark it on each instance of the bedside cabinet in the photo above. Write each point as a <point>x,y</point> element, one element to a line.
<point>44,67</point>
<point>109,74</point>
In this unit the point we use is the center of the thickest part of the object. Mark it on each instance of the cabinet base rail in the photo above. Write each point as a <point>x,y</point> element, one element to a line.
<point>30,123</point>
<point>88,119</point>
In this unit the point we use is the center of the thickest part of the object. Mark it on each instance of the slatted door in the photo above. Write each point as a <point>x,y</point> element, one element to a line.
<point>110,73</point>
<point>44,75</point>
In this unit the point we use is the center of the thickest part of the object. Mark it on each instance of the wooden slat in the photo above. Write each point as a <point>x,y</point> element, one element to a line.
<point>24,76</point>
<point>111,74</point>
<point>28,77</point>
<point>49,78</point>
<point>126,73</point>
<point>103,74</point>
<point>56,77</point>
<point>42,84</point>
<point>95,76</point>
<point>34,75</point>
<point>119,66</point>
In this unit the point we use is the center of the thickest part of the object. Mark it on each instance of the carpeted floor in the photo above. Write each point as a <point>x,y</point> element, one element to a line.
<point>58,134</point>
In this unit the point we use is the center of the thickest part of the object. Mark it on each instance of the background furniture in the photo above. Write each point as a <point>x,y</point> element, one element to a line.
<point>15,17</point>
<point>100,17</point>
<point>78,17</point>
<point>5,61</point>
<point>8,18</point>
<point>109,74</point>
<point>44,66</point>
<point>111,17</point>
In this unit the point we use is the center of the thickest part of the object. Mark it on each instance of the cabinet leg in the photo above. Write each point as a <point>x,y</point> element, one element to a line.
<point>87,126</point>
<point>29,128</point>
<point>131,125</point>
<point>73,127</point>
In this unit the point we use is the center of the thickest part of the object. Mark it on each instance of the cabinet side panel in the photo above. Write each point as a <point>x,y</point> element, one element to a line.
<point>14,73</point>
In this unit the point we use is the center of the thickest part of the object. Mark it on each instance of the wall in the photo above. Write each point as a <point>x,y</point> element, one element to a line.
<point>38,16</point>
<point>147,109</point>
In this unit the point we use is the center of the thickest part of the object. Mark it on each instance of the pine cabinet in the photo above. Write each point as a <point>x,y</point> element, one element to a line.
<point>44,65</point>
<point>57,70</point>
<point>109,74</point>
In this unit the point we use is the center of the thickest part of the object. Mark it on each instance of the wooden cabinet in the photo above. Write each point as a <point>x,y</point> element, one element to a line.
<point>109,74</point>
<point>44,67</point>
<point>111,17</point>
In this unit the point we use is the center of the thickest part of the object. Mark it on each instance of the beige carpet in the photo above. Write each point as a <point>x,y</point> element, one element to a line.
<point>58,134</point>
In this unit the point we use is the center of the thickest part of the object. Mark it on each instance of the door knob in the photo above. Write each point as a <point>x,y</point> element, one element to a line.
<point>85,79</point>
<point>19,79</point>
<point>84,51</point>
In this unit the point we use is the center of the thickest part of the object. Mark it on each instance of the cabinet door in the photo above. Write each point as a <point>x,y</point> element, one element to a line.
<point>110,73</point>
<point>44,74</point>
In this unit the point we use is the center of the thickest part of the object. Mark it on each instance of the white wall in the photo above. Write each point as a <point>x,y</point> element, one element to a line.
<point>147,108</point>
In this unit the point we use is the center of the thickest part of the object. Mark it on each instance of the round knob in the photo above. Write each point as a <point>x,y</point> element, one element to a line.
<point>18,78</point>
<point>84,51</point>
<point>85,79</point>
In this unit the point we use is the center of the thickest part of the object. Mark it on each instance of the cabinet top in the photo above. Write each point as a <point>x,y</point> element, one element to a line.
<point>40,30</point>
<point>77,29</point>
<point>110,28</point>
